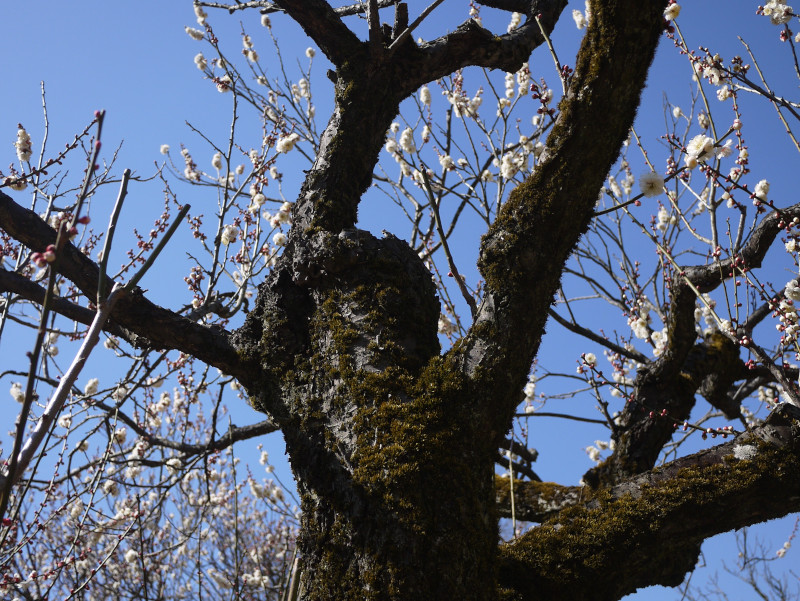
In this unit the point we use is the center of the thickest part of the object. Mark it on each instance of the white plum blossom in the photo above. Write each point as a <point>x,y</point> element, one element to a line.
<point>224,84</point>
<point>120,434</point>
<point>407,141</point>
<point>201,61</point>
<point>279,239</point>
<point>174,465</point>
<point>447,163</point>
<point>17,393</point>
<point>590,359</point>
<point>665,219</point>
<point>659,339</point>
<point>639,327</point>
<point>131,555</point>
<point>23,145</point>
<point>164,149</point>
<point>195,34</point>
<point>516,19</point>
<point>286,143</point>
<point>651,184</point>
<point>699,148</point>
<point>792,290</point>
<point>310,52</point>
<point>778,12</point>
<point>425,95</point>
<point>672,11</point>
<point>216,161</point>
<point>762,189</point>
<point>18,184</point>
<point>580,20</point>
<point>91,387</point>
<point>446,326</point>
<point>594,454</point>
<point>725,150</point>
<point>511,163</point>
<point>229,234</point>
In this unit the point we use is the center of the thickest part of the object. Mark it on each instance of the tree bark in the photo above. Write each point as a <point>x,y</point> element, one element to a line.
<point>392,441</point>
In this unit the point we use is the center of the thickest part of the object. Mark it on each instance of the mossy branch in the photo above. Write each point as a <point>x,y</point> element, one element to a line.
<point>648,530</point>
<point>524,252</point>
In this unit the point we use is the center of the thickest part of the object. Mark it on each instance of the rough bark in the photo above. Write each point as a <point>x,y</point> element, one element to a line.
<point>648,529</point>
<point>393,442</point>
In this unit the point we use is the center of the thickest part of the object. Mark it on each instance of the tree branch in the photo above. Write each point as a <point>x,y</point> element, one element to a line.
<point>323,25</point>
<point>524,252</point>
<point>535,501</point>
<point>472,45</point>
<point>151,324</point>
<point>670,383</point>
<point>648,530</point>
<point>31,291</point>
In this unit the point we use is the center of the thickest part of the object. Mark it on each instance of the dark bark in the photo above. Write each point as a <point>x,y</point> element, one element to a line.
<point>648,529</point>
<point>393,443</point>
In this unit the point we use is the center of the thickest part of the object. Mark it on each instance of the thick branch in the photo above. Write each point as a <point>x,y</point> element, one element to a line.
<point>152,325</point>
<point>648,530</point>
<point>524,252</point>
<point>28,290</point>
<point>323,25</point>
<point>535,501</point>
<point>472,45</point>
<point>670,383</point>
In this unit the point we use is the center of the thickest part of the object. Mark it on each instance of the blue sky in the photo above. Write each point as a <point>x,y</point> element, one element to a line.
<point>135,61</point>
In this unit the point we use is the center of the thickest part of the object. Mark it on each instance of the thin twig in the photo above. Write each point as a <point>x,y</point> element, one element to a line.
<point>450,262</point>
<point>553,54</point>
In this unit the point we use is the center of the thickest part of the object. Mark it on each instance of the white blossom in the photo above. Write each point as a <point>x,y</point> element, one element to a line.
<point>195,34</point>
<point>672,11</point>
<point>792,290</point>
<point>286,143</point>
<point>200,61</point>
<point>425,95</point>
<point>23,145</point>
<point>407,141</point>
<point>762,189</point>
<point>447,163</point>
<point>229,234</point>
<point>224,84</point>
<point>91,387</point>
<point>446,326</point>
<point>131,555</point>
<point>778,12</point>
<point>651,184</point>
<point>17,393</point>
<point>700,147</point>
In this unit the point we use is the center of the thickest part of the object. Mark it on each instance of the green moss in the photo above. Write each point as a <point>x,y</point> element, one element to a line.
<point>585,542</point>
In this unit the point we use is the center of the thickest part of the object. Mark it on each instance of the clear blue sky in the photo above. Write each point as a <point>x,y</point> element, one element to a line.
<point>134,60</point>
